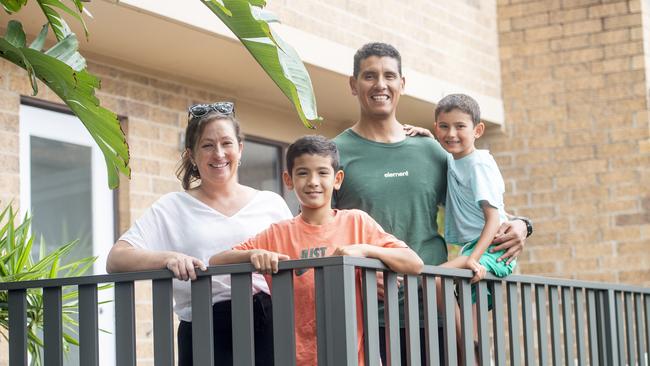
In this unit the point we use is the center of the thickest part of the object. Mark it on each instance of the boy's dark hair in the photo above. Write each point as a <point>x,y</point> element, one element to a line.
<point>312,145</point>
<point>376,49</point>
<point>463,103</point>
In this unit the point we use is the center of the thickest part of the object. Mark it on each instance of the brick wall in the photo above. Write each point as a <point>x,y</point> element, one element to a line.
<point>455,41</point>
<point>574,148</point>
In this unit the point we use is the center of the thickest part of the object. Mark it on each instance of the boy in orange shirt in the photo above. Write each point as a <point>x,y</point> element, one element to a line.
<point>318,231</point>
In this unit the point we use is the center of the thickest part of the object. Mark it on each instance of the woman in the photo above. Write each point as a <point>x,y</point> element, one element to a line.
<point>182,229</point>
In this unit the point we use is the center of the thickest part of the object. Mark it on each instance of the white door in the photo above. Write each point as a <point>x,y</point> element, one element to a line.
<point>63,184</point>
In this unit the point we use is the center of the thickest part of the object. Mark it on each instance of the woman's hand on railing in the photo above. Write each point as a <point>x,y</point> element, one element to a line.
<point>183,266</point>
<point>266,262</point>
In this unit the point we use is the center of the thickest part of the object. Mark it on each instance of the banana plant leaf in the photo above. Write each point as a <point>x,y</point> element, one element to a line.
<point>250,23</point>
<point>62,69</point>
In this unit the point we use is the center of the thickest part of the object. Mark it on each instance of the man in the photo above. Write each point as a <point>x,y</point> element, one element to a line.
<point>398,180</point>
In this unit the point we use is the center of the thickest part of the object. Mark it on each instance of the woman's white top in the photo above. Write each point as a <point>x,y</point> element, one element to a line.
<point>181,223</point>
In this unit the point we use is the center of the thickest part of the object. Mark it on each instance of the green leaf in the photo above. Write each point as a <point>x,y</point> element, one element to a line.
<point>280,61</point>
<point>77,89</point>
<point>59,26</point>
<point>12,6</point>
<point>15,34</point>
<point>39,41</point>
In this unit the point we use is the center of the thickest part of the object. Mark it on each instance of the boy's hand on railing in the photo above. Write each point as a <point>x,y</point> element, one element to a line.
<point>266,262</point>
<point>511,237</point>
<point>474,266</point>
<point>183,266</point>
<point>355,250</point>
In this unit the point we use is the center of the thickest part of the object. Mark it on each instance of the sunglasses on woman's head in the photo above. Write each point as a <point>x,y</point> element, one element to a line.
<point>200,110</point>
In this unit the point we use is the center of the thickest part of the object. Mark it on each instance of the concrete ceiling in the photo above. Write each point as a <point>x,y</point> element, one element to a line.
<point>135,39</point>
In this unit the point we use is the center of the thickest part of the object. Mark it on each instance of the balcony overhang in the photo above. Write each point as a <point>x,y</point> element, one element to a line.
<point>183,41</point>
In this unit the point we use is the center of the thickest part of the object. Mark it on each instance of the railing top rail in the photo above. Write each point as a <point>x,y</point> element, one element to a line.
<point>310,263</point>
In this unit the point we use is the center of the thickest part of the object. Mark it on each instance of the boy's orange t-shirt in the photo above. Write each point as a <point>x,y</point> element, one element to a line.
<point>300,240</point>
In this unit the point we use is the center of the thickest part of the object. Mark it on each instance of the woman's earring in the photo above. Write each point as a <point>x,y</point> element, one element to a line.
<point>239,163</point>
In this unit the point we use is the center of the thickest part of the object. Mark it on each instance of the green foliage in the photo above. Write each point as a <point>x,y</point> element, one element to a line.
<point>17,264</point>
<point>62,69</point>
<point>250,23</point>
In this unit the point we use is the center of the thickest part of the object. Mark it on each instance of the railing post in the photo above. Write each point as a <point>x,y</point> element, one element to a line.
<point>17,327</point>
<point>125,324</point>
<point>53,326</point>
<point>370,317</point>
<point>391,317</point>
<point>611,333</point>
<point>163,322</point>
<point>88,326</point>
<point>283,318</point>
<point>412,319</point>
<point>340,305</point>
<point>243,339</point>
<point>430,320</point>
<point>202,328</point>
<point>449,320</point>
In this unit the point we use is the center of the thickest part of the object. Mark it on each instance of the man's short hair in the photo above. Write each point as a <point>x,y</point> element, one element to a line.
<point>312,145</point>
<point>463,103</point>
<point>376,49</point>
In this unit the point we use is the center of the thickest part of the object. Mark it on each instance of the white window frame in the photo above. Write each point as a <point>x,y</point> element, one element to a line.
<point>65,127</point>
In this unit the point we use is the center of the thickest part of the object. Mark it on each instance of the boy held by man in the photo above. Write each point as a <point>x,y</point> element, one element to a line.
<point>474,207</point>
<point>313,173</point>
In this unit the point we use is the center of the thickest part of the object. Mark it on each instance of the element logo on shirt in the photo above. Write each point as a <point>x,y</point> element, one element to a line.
<point>316,252</point>
<point>396,174</point>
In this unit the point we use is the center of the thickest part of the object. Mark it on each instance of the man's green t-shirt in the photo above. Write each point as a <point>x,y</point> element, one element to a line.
<point>400,185</point>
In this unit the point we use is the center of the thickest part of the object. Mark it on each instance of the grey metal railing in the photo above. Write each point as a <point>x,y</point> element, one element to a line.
<point>534,320</point>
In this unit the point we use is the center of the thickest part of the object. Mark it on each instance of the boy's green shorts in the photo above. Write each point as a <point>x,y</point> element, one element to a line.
<point>489,261</point>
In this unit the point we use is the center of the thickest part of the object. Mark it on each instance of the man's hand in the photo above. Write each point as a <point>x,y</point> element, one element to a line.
<point>266,262</point>
<point>183,266</point>
<point>414,131</point>
<point>511,237</point>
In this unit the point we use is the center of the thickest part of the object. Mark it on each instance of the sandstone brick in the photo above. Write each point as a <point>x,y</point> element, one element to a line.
<point>568,15</point>
<point>541,33</point>
<point>604,10</point>
<point>143,94</point>
<point>540,268</point>
<point>568,4</point>
<point>548,253</point>
<point>621,233</point>
<point>618,176</point>
<point>530,21</point>
<point>611,65</point>
<point>595,250</point>
<point>634,190</point>
<point>9,102</point>
<point>633,219</point>
<point>582,27</point>
<point>574,153</point>
<point>619,206</point>
<point>624,49</point>
<point>639,277</point>
<point>622,21</point>
<point>590,193</point>
<point>540,184</point>
<point>546,142</point>
<point>579,235</point>
<point>581,55</point>
<point>634,6</point>
<point>610,37</point>
<point>587,138</point>
<point>568,43</point>
<point>575,181</point>
<point>597,276</point>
